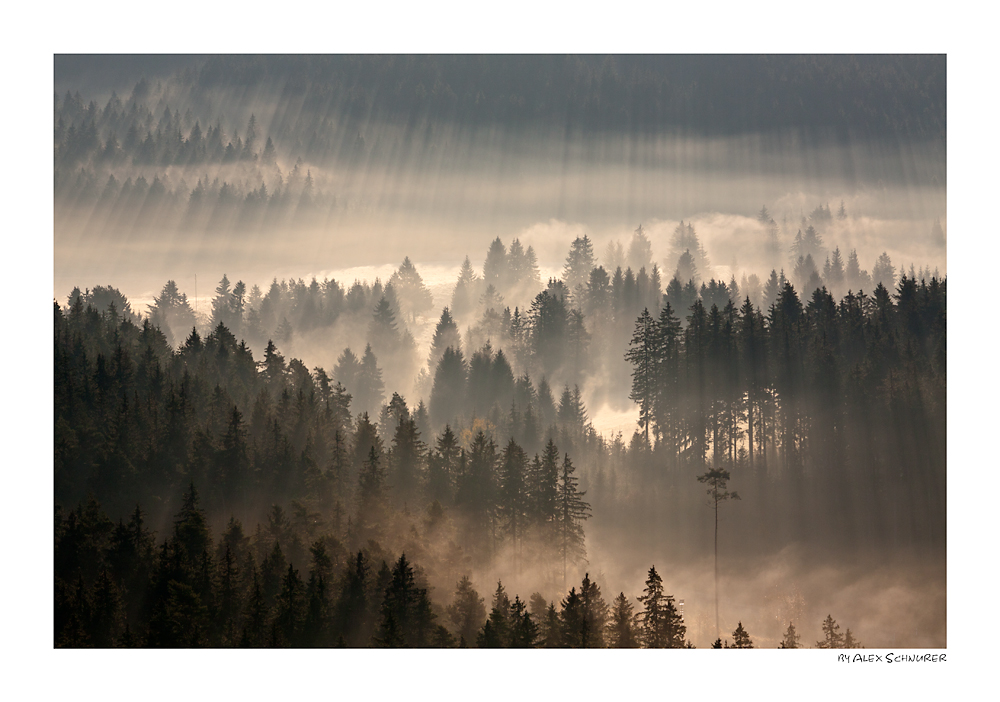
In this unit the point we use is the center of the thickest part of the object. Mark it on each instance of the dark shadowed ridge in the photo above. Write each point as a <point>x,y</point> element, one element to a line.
<point>823,97</point>
<point>105,72</point>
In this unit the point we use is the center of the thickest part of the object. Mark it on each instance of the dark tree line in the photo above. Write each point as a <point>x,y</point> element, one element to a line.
<point>118,585</point>
<point>833,396</point>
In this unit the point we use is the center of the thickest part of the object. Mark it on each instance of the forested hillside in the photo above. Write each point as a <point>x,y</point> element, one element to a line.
<point>817,410</point>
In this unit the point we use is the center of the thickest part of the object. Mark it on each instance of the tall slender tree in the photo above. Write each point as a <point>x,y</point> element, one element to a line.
<point>717,479</point>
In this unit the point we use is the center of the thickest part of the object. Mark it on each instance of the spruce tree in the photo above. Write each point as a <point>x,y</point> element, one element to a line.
<point>448,394</point>
<point>514,503</point>
<point>661,624</point>
<point>496,632</point>
<point>467,612</point>
<point>523,630</point>
<point>594,613</point>
<point>790,639</point>
<point>445,335</point>
<point>579,263</point>
<point>466,292</point>
<point>571,510</point>
<point>850,641</point>
<point>406,615</point>
<point>413,295</point>
<point>621,628</point>
<point>832,638</point>
<point>643,354</point>
<point>572,624</point>
<point>741,639</point>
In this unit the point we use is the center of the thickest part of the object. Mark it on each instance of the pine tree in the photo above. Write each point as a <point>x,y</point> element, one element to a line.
<point>495,266</point>
<point>884,272</point>
<point>414,296</point>
<point>643,354</point>
<point>351,610</point>
<point>448,394</point>
<point>273,367</point>
<point>621,629</point>
<point>791,639</point>
<point>661,625</point>
<point>497,629</point>
<point>523,630</point>
<point>445,335</point>
<point>383,333</point>
<point>543,489</point>
<point>579,263</point>
<point>466,292</point>
<point>832,638</point>
<point>407,458</point>
<point>467,612</point>
<point>475,495</point>
<point>290,607</point>
<point>717,479</point>
<point>371,389</point>
<point>407,620</point>
<point>347,370</point>
<point>850,641</point>
<point>686,270</point>
<point>371,490</point>
<point>191,534</point>
<point>106,612</point>
<point>571,510</point>
<point>442,467</point>
<point>594,614</point>
<point>571,622</point>
<point>741,639</point>
<point>640,251</point>
<point>513,503</point>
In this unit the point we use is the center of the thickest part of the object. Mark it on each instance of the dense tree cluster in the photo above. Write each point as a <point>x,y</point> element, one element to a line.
<point>818,398</point>
<point>136,421</point>
<point>118,585</point>
<point>838,394</point>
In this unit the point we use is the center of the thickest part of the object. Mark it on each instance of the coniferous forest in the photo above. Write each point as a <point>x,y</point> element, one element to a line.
<point>697,431</point>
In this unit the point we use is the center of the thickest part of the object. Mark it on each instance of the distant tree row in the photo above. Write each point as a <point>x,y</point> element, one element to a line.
<point>128,133</point>
<point>249,200</point>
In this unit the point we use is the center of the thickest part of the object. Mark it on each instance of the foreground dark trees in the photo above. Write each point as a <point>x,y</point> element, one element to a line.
<point>119,586</point>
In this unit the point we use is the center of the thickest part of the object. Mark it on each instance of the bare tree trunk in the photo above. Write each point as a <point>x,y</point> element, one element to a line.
<point>717,632</point>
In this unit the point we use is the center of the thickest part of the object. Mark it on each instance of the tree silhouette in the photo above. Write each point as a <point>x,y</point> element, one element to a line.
<point>790,639</point>
<point>741,639</point>
<point>832,638</point>
<point>717,479</point>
